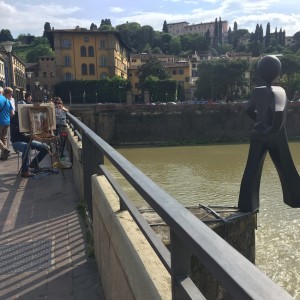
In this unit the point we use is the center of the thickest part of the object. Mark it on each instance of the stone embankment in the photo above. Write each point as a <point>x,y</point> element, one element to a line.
<point>175,124</point>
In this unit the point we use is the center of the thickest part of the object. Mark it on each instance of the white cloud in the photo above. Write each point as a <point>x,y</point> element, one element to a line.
<point>116,9</point>
<point>191,2</point>
<point>30,18</point>
<point>26,18</point>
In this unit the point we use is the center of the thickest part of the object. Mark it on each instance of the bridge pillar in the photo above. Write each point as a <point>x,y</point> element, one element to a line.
<point>235,227</point>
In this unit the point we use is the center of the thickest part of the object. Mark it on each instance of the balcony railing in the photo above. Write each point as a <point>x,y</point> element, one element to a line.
<point>188,235</point>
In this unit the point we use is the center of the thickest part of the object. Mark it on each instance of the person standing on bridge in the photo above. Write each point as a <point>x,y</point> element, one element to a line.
<point>6,111</point>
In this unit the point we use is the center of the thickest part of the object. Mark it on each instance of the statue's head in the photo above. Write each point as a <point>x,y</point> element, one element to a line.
<point>269,68</point>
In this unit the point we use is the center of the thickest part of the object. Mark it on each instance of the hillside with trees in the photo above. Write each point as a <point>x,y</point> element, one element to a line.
<point>217,79</point>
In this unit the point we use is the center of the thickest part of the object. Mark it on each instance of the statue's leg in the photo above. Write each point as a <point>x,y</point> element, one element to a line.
<point>249,190</point>
<point>289,177</point>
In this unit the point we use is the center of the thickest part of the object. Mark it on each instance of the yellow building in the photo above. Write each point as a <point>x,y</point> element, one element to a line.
<point>178,70</point>
<point>83,54</point>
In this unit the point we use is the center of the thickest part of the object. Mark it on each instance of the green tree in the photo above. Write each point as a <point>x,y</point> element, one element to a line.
<point>255,47</point>
<point>119,88</point>
<point>164,43</point>
<point>220,32</point>
<point>235,26</point>
<point>152,67</point>
<point>105,22</point>
<point>290,73</point>
<point>40,40</point>
<point>175,46</point>
<point>198,43</point>
<point>234,76</point>
<point>147,49</point>
<point>207,37</point>
<point>5,35</point>
<point>165,27</point>
<point>186,42</point>
<point>128,32</point>
<point>221,78</point>
<point>296,38</point>
<point>105,25</point>
<point>93,26</point>
<point>216,35</point>
<point>39,50</point>
<point>144,36</point>
<point>47,27</point>
<point>26,39</point>
<point>236,36</point>
<point>276,34</point>
<point>281,37</point>
<point>261,34</point>
<point>268,35</point>
<point>229,37</point>
<point>104,28</point>
<point>207,79</point>
<point>224,48</point>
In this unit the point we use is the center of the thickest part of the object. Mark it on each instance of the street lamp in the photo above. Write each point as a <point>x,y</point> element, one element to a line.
<point>41,93</point>
<point>83,97</point>
<point>45,99</point>
<point>36,90</point>
<point>8,48</point>
<point>29,74</point>
<point>120,92</point>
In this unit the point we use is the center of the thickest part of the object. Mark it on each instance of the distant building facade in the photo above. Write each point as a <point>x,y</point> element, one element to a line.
<point>83,54</point>
<point>182,28</point>
<point>179,70</point>
<point>18,74</point>
<point>41,78</point>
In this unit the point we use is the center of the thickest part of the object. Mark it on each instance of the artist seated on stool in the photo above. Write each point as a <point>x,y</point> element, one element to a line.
<point>20,143</point>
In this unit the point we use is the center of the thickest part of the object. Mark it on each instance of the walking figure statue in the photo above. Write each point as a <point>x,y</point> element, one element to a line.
<point>268,108</point>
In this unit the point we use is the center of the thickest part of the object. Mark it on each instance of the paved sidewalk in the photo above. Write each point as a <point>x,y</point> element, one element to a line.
<point>42,239</point>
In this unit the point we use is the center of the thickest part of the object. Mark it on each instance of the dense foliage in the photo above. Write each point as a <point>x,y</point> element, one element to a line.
<point>221,79</point>
<point>98,91</point>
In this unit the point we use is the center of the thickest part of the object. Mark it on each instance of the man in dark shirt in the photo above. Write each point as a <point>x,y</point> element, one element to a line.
<point>20,143</point>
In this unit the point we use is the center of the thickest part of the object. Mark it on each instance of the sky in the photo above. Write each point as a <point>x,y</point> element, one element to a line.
<point>29,16</point>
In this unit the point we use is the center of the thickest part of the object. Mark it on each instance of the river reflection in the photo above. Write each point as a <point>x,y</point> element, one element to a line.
<point>212,175</point>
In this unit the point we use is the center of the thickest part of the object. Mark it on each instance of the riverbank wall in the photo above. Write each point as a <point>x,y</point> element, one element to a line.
<point>175,124</point>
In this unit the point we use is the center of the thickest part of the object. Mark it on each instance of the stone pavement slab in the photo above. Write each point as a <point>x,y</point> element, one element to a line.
<point>43,253</point>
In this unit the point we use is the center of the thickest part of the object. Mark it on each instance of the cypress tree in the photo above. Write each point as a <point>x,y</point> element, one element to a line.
<point>235,26</point>
<point>257,33</point>
<point>216,35</point>
<point>165,27</point>
<point>268,35</point>
<point>220,33</point>
<point>229,36</point>
<point>261,34</point>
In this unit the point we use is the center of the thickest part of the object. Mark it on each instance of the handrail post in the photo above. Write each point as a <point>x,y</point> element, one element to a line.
<point>91,159</point>
<point>180,265</point>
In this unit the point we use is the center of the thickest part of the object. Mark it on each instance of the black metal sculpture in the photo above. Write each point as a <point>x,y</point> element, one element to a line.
<point>268,107</point>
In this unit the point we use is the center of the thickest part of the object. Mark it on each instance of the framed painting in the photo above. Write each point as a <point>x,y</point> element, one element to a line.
<point>32,117</point>
<point>39,121</point>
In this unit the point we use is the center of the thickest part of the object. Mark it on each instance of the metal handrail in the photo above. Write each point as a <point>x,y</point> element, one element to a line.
<point>189,235</point>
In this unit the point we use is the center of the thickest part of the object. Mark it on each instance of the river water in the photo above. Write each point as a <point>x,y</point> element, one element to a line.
<point>211,175</point>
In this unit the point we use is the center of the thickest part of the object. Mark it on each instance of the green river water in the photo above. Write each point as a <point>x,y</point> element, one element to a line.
<point>211,175</point>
